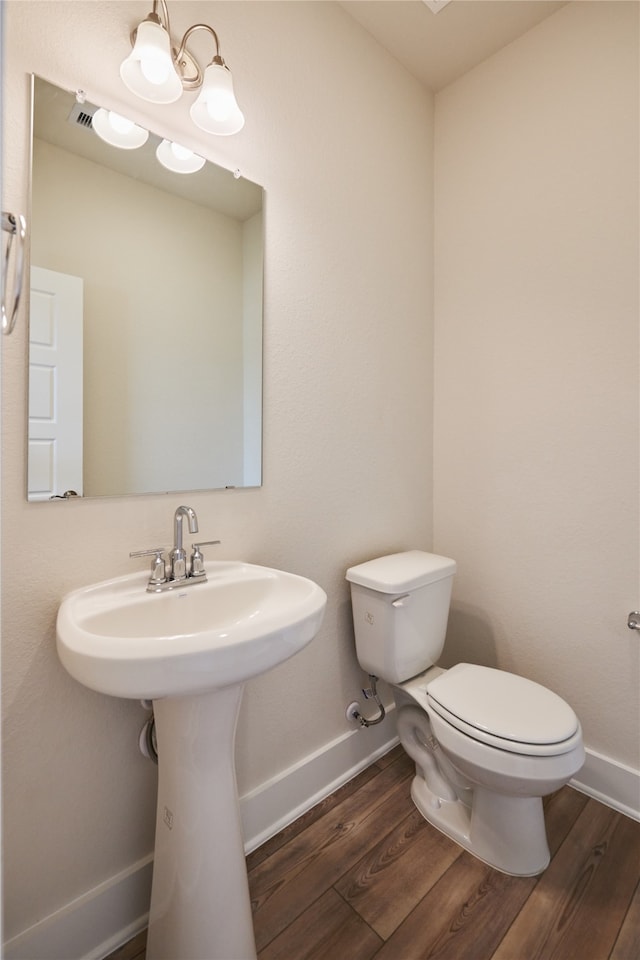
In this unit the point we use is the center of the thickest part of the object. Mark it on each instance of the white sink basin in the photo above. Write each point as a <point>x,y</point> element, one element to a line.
<point>117,639</point>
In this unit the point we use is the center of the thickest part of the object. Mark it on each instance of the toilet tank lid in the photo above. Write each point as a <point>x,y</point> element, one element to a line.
<point>401,571</point>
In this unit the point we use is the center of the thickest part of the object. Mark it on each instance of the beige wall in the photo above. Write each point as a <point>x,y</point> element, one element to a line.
<point>347,413</point>
<point>536,397</point>
<point>162,279</point>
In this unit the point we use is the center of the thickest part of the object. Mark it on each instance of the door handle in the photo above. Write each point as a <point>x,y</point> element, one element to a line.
<point>633,620</point>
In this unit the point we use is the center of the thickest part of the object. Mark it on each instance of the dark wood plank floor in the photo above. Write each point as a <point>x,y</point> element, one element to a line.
<point>364,876</point>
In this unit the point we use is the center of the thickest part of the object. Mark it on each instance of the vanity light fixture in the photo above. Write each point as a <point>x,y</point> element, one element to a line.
<point>117,130</point>
<point>178,159</point>
<point>158,69</point>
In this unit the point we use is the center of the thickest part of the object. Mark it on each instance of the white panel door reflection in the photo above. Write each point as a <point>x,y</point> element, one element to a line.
<point>55,384</point>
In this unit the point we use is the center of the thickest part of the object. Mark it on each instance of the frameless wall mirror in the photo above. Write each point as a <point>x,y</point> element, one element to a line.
<point>145,345</point>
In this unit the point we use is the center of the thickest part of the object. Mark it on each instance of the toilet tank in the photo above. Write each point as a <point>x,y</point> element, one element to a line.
<point>400,607</point>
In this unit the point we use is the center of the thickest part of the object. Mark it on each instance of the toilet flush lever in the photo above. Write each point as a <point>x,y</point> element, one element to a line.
<point>399,601</point>
<point>633,620</point>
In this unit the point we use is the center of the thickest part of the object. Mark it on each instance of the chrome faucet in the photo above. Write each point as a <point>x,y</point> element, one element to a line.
<point>180,572</point>
<point>178,557</point>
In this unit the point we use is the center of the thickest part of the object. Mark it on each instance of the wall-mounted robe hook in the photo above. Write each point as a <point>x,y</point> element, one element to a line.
<point>15,226</point>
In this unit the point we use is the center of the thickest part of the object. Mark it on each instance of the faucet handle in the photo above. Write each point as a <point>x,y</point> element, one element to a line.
<point>158,568</point>
<point>197,560</point>
<point>147,553</point>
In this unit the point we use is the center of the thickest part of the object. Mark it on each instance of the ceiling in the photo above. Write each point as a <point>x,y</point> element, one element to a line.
<point>437,48</point>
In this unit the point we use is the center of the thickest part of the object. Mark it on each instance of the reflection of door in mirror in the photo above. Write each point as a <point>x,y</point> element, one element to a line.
<point>55,384</point>
<point>172,306</point>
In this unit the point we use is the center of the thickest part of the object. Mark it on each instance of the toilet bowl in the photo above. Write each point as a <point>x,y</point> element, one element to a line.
<point>488,745</point>
<point>497,782</point>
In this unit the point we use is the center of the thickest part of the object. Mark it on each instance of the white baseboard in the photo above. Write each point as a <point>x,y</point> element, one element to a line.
<point>102,919</point>
<point>93,925</point>
<point>285,797</point>
<point>611,782</point>
<point>105,917</point>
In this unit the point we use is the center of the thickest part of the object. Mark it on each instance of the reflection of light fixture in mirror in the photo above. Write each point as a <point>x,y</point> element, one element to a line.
<point>178,159</point>
<point>156,71</point>
<point>117,130</point>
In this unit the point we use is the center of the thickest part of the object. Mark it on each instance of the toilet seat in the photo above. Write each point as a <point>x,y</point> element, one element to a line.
<point>503,710</point>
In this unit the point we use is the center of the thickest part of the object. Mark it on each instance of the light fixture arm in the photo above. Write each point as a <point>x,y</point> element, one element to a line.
<point>183,58</point>
<point>165,14</point>
<point>201,26</point>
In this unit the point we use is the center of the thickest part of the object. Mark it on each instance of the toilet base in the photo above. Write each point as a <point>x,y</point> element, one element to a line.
<point>508,833</point>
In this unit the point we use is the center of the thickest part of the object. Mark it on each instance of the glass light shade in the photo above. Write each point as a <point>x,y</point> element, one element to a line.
<point>149,71</point>
<point>117,130</point>
<point>216,109</point>
<point>178,159</point>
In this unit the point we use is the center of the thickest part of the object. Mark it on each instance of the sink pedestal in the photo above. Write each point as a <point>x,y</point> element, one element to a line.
<point>200,904</point>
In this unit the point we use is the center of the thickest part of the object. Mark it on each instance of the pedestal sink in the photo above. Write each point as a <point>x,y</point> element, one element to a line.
<point>190,650</point>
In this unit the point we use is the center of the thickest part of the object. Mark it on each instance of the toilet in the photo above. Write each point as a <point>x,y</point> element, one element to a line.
<point>487,744</point>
